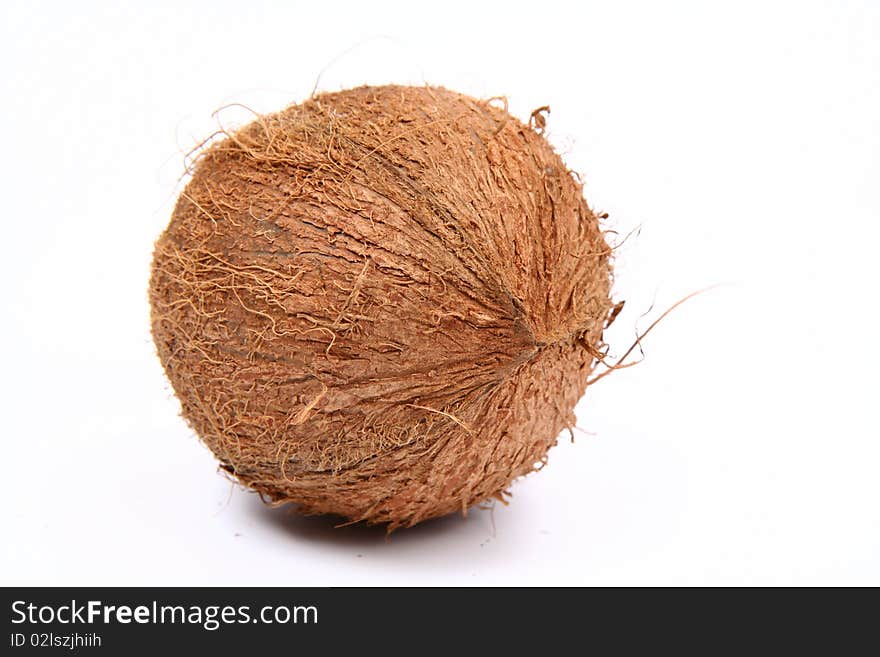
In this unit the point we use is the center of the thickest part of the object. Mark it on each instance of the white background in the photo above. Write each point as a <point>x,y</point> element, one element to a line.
<point>742,139</point>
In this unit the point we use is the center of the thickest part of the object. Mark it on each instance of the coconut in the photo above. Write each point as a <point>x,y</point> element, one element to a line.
<point>382,303</point>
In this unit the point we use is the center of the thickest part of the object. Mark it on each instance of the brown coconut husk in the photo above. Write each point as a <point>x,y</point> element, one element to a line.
<point>382,303</point>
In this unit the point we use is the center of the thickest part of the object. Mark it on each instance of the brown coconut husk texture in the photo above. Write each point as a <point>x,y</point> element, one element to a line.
<point>382,303</point>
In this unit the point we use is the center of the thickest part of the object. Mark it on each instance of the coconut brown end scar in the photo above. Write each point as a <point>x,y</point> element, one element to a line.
<point>382,303</point>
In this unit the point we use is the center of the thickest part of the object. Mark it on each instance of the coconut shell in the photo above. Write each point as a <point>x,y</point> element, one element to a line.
<point>382,303</point>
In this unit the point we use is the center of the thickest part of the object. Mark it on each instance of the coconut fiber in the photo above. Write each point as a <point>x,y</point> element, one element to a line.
<point>381,303</point>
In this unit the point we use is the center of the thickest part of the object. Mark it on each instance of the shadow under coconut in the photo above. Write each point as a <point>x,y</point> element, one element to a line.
<point>327,529</point>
